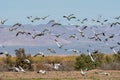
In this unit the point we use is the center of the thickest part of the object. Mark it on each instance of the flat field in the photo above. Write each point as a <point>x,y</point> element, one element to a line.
<point>61,75</point>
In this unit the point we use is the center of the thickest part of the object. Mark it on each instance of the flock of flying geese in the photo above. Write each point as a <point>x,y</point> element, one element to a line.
<point>81,29</point>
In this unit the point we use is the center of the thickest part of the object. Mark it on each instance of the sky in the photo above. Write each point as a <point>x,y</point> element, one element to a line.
<point>18,10</point>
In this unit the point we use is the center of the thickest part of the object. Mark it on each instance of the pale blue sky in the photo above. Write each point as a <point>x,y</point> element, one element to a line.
<point>17,10</point>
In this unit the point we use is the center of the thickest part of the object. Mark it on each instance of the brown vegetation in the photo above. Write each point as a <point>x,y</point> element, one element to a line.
<point>61,75</point>
<point>69,69</point>
<point>68,63</point>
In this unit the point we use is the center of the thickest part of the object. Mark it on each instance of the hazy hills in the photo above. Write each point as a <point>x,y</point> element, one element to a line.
<point>9,38</point>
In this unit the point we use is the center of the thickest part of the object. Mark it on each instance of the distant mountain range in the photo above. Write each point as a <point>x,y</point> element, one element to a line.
<point>67,35</point>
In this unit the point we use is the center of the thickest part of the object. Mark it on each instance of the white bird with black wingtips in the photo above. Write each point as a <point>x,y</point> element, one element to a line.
<point>5,53</point>
<point>21,69</point>
<point>42,72</point>
<point>16,69</point>
<point>56,66</point>
<point>90,56</point>
<point>73,50</point>
<point>81,32</point>
<point>39,53</point>
<point>58,44</point>
<point>82,72</point>
<point>27,61</point>
<point>51,50</point>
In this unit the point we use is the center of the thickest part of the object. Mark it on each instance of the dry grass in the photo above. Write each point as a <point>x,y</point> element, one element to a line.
<point>60,75</point>
<point>41,62</point>
<point>68,64</point>
<point>45,59</point>
<point>50,59</point>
